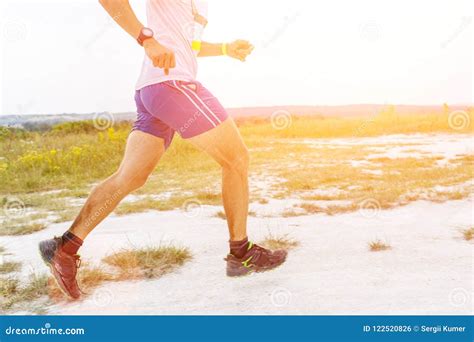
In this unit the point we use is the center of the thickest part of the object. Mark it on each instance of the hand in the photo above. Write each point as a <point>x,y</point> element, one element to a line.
<point>161,56</point>
<point>239,49</point>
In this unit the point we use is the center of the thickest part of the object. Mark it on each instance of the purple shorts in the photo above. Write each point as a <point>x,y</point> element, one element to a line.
<point>177,106</point>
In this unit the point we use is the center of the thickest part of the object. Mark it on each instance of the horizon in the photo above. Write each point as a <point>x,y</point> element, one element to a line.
<point>263,107</point>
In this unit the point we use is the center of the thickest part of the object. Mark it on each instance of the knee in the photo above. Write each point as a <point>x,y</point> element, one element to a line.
<point>129,182</point>
<point>239,162</point>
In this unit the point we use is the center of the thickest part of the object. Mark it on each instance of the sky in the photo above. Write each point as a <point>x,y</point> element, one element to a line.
<point>70,57</point>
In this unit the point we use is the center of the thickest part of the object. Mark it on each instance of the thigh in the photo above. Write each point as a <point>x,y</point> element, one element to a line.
<point>223,143</point>
<point>142,153</point>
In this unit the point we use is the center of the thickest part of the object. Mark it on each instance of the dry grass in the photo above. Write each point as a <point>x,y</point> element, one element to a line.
<point>33,162</point>
<point>9,267</point>
<point>23,229</point>
<point>274,242</point>
<point>143,205</point>
<point>151,262</point>
<point>130,264</point>
<point>23,297</point>
<point>12,294</point>
<point>378,246</point>
<point>468,234</point>
<point>221,214</point>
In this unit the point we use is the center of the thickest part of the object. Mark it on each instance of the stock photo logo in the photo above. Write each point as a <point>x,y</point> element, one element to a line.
<point>460,297</point>
<point>103,121</point>
<point>465,22</point>
<point>192,208</point>
<point>281,119</point>
<point>281,297</point>
<point>15,30</point>
<point>280,30</point>
<point>103,297</point>
<point>459,120</point>
<point>369,208</point>
<point>13,207</point>
<point>370,31</point>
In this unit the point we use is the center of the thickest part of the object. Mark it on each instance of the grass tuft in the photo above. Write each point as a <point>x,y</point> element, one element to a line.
<point>9,267</point>
<point>279,242</point>
<point>378,245</point>
<point>151,262</point>
<point>14,294</point>
<point>468,234</point>
<point>21,229</point>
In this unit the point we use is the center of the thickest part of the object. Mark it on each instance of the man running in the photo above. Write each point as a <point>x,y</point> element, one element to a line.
<point>169,100</point>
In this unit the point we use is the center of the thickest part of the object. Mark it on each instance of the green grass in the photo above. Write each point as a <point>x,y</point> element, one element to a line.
<point>61,158</point>
<point>151,262</point>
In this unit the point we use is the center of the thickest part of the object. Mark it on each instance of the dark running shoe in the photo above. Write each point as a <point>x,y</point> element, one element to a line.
<point>257,259</point>
<point>63,266</point>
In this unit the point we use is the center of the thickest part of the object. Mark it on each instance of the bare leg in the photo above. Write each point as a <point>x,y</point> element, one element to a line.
<point>142,153</point>
<point>226,146</point>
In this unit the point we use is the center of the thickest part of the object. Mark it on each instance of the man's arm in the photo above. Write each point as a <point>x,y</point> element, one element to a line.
<point>122,13</point>
<point>238,49</point>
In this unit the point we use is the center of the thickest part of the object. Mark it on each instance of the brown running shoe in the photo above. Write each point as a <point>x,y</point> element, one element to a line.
<point>63,266</point>
<point>256,259</point>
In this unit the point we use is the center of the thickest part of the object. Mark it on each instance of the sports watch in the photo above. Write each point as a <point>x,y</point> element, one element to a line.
<point>145,33</point>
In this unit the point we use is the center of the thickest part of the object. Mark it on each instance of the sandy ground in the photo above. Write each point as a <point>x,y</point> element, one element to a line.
<point>429,269</point>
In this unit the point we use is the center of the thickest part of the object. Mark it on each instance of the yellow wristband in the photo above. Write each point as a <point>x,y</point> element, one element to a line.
<point>196,45</point>
<point>224,49</point>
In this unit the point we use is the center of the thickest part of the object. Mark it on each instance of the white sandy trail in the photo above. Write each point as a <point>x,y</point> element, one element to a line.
<point>429,269</point>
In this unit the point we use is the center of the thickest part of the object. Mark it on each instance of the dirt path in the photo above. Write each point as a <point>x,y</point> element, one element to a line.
<point>429,269</point>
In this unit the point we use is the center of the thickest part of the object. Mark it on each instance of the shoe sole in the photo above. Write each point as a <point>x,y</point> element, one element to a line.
<point>56,275</point>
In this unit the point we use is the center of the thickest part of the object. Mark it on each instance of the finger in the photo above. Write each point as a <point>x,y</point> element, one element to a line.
<point>242,42</point>
<point>167,63</point>
<point>161,61</point>
<point>243,53</point>
<point>167,71</point>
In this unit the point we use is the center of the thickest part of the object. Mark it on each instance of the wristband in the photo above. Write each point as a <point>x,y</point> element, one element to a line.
<point>196,45</point>
<point>224,49</point>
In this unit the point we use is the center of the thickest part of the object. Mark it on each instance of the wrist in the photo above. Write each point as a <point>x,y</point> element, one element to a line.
<point>224,49</point>
<point>144,35</point>
<point>148,42</point>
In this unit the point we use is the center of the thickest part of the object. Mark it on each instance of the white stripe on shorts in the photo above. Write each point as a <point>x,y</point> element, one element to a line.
<point>202,102</point>
<point>194,103</point>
